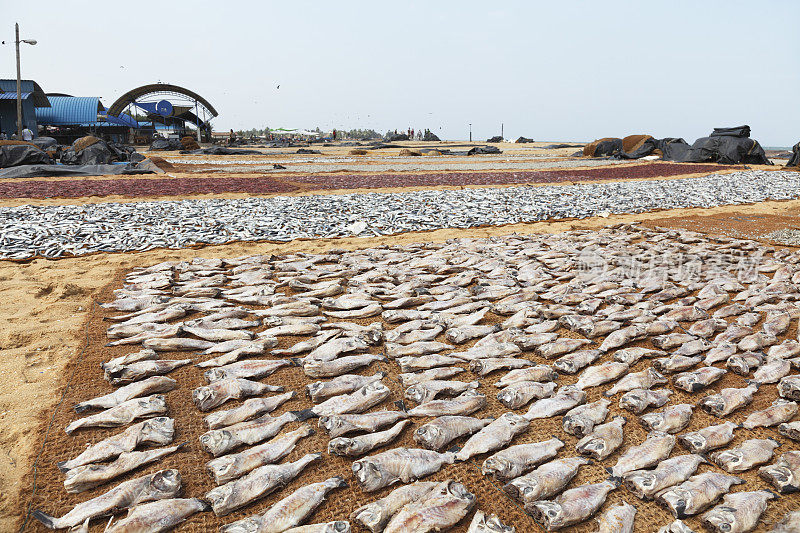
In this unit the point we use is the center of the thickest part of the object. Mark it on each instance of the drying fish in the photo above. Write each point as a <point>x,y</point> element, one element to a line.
<point>785,350</point>
<point>154,432</point>
<point>441,431</point>
<point>152,385</point>
<point>517,460</point>
<point>652,451</point>
<point>139,333</point>
<point>747,455</point>
<point>302,328</point>
<point>464,404</point>
<point>141,355</point>
<point>254,368</point>
<point>443,507</point>
<point>756,341</point>
<point>699,379</point>
<point>562,401</point>
<point>419,335</point>
<point>670,420</point>
<point>634,354</point>
<point>521,393</point>
<point>580,420</point>
<point>158,516</point>
<point>772,371</point>
<point>572,362</point>
<point>789,387</point>
<point>255,485</point>
<point>706,328</point>
<point>494,436</point>
<point>176,344</point>
<point>336,347</point>
<point>541,373</point>
<point>720,352</point>
<point>621,337</point>
<point>618,519</point>
<point>355,446</point>
<point>676,363</point>
<point>337,367</point>
<point>790,430</point>
<point>696,493</point>
<point>481,523</point>
<point>217,334</point>
<point>603,373</point>
<point>780,411</point>
<point>414,378</point>
<point>220,441</point>
<point>777,324</point>
<point>163,484</point>
<point>89,476</point>
<point>560,347</point>
<point>739,512</point>
<point>693,347</point>
<point>483,367</point>
<point>638,400</point>
<point>309,344</point>
<point>600,328</point>
<point>322,390</point>
<point>339,425</point>
<point>790,523</point>
<point>545,481</point>
<point>398,464</point>
<point>429,390</point>
<point>572,506</point>
<point>687,313</point>
<point>730,310</point>
<point>244,348</point>
<point>463,334</point>
<point>249,409</point>
<point>425,362</point>
<point>374,516</point>
<point>210,396</point>
<point>393,316</point>
<point>125,374</point>
<point>229,467</point>
<point>647,483</point>
<point>708,438</point>
<point>672,340</point>
<point>645,379</point>
<point>488,350</point>
<point>357,402</point>
<point>122,414</point>
<point>785,473</point>
<point>728,400</point>
<point>744,363</point>
<point>368,311</point>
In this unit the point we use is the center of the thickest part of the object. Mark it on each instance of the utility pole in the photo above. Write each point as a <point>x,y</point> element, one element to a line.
<point>470,132</point>
<point>19,87</point>
<point>501,131</point>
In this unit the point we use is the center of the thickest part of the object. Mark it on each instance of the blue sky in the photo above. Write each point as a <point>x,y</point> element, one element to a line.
<point>547,70</point>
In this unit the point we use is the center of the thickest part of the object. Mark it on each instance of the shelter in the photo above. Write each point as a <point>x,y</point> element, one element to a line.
<point>167,105</point>
<point>33,98</point>
<point>72,117</point>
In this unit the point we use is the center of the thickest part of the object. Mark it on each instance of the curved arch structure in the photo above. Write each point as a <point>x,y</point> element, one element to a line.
<point>155,89</point>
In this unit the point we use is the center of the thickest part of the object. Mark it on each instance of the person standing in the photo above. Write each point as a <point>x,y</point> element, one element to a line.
<point>334,134</point>
<point>27,134</point>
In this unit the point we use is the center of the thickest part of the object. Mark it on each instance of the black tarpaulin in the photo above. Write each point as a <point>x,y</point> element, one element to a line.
<point>13,155</point>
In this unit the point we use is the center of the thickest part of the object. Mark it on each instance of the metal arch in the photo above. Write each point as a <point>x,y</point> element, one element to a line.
<point>158,88</point>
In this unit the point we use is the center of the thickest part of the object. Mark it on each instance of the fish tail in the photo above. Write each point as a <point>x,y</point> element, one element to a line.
<point>303,415</point>
<point>48,521</point>
<point>400,405</point>
<point>80,408</point>
<point>61,466</point>
<point>296,361</point>
<point>616,480</point>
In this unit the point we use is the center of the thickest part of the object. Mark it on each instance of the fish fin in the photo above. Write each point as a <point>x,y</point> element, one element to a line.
<point>341,482</point>
<point>181,445</point>
<point>455,449</point>
<point>607,469</point>
<point>402,406</point>
<point>296,361</point>
<point>753,382</point>
<point>206,504</point>
<point>774,494</point>
<point>46,519</point>
<point>303,415</point>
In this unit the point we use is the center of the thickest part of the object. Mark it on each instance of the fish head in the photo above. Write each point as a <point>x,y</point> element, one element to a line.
<point>250,524</point>
<point>510,398</point>
<point>578,425</point>
<point>457,490</point>
<point>728,458</point>
<point>371,516</point>
<point>201,395</point>
<point>346,447</point>
<point>782,477</point>
<point>722,518</point>
<point>678,500</point>
<point>548,513</point>
<point>714,404</point>
<point>164,484</point>
<point>694,442</point>
<point>216,441</point>
<point>339,526</point>
<point>214,374</point>
<point>595,447</point>
<point>523,488</point>
<point>516,421</point>
<point>222,495</point>
<point>493,524</point>
<point>416,393</point>
<point>431,436</point>
<point>370,475</point>
<point>332,424</point>
<point>373,336</point>
<point>499,466</point>
<point>220,467</point>
<point>314,388</point>
<point>159,430</point>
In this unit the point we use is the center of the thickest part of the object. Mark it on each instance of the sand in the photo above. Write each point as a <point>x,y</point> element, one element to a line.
<point>44,323</point>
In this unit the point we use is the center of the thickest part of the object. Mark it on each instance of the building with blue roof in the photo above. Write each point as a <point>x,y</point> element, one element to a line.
<point>33,98</point>
<point>71,117</point>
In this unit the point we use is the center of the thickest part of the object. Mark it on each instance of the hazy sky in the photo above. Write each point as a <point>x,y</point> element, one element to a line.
<point>553,70</point>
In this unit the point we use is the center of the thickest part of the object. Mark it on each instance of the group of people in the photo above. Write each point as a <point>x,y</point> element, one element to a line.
<point>415,135</point>
<point>27,135</point>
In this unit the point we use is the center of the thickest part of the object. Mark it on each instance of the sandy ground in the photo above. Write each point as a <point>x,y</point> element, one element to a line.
<point>43,324</point>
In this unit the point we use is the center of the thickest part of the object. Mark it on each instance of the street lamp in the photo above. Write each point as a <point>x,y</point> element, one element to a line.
<point>31,42</point>
<point>470,132</point>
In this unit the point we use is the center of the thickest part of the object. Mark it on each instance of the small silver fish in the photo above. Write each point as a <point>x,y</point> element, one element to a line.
<point>647,483</point>
<point>215,394</point>
<point>780,411</point>
<point>618,519</point>
<point>696,493</point>
<point>672,419</point>
<point>517,460</point>
<point>339,425</point>
<point>739,512</point>
<point>497,434</point>
<point>122,414</point>
<point>562,401</point>
<point>699,379</point>
<point>656,447</point>
<point>440,509</point>
<point>359,445</point>
<point>747,455</point>
<point>521,393</point>
<point>253,368</point>
<point>481,523</point>
<point>347,383</point>
<point>728,400</point>
<point>425,362</point>
<point>357,402</point>
<point>414,378</point>
<point>89,476</point>
<point>645,379</point>
<point>125,374</point>
<point>580,420</point>
<point>541,373</point>
<point>709,438</point>
<point>337,367</point>
<point>374,516</point>
<point>398,464</point>
<point>464,404</point>
<point>220,441</point>
<point>790,430</point>
<point>545,481</point>
<point>158,516</point>
<point>249,409</point>
<point>152,385</point>
<point>572,506</point>
<point>638,400</point>
<point>483,367</point>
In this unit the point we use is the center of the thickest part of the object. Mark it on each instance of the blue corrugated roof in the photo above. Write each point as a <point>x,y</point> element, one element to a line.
<point>26,86</point>
<point>13,96</point>
<point>69,110</point>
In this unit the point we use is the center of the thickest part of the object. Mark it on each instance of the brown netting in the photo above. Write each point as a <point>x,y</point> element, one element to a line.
<point>88,383</point>
<point>13,143</point>
<point>84,142</point>
<point>161,163</point>
<point>633,142</point>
